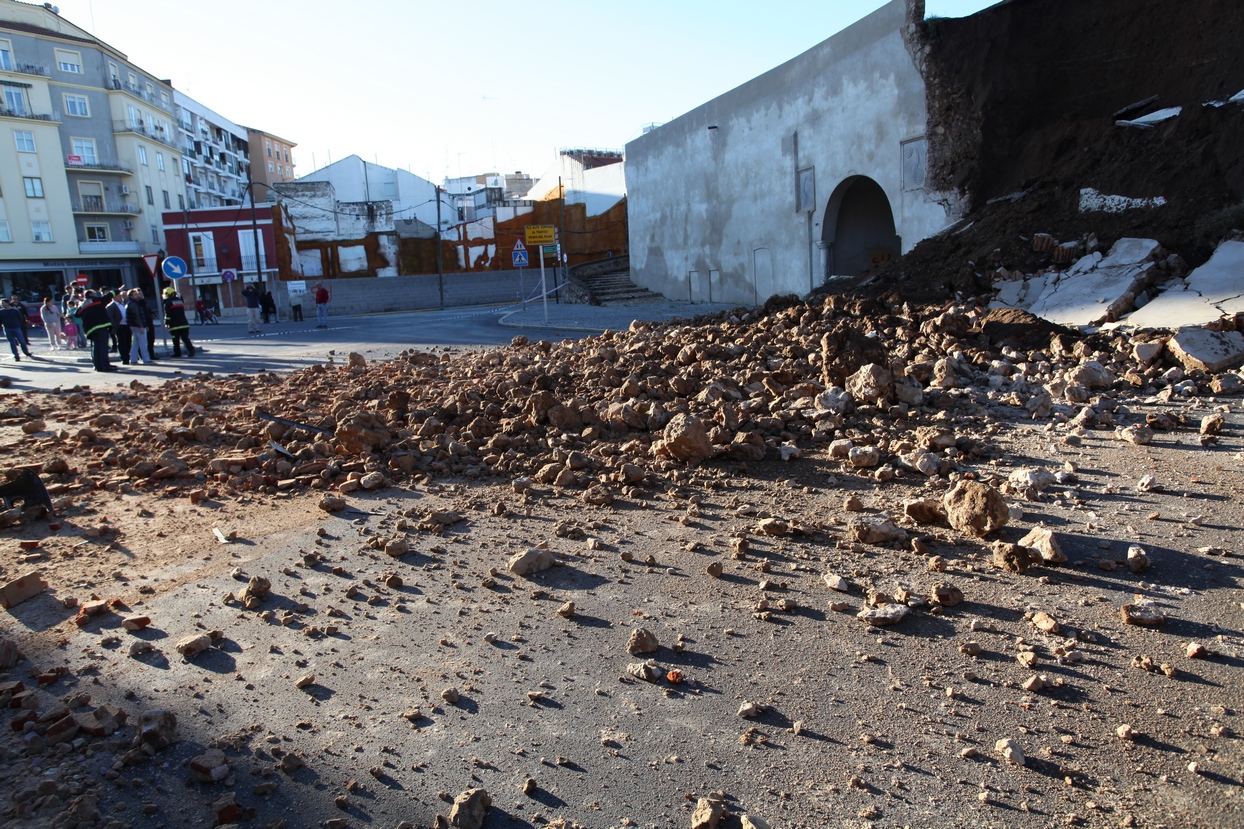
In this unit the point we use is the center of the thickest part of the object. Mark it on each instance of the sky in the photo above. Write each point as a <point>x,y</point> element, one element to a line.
<point>447,89</point>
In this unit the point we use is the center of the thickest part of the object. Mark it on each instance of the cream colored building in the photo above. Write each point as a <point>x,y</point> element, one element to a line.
<point>89,157</point>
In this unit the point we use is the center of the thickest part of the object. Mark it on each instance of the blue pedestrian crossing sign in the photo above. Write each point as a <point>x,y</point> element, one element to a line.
<point>520,254</point>
<point>174,267</point>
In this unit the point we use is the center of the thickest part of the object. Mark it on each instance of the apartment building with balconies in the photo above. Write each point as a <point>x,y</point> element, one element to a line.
<point>272,162</point>
<point>215,156</point>
<point>89,156</point>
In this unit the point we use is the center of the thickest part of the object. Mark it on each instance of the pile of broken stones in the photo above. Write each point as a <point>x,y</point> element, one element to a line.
<point>607,414</point>
<point>886,391</point>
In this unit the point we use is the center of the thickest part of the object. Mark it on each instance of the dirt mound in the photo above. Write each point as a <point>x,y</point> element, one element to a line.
<point>1023,99</point>
<point>1195,162</point>
<point>1014,328</point>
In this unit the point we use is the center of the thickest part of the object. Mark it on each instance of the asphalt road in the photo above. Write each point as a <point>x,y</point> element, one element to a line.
<point>228,349</point>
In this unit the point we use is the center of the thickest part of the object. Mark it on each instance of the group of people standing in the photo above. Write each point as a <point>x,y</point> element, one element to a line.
<point>105,321</point>
<point>121,321</point>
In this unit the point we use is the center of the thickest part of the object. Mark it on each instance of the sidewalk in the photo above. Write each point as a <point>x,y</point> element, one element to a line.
<point>597,318</point>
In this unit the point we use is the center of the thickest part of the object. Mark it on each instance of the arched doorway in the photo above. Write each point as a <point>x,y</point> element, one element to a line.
<point>858,229</point>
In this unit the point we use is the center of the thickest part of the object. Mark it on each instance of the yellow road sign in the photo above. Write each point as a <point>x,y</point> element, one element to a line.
<point>540,235</point>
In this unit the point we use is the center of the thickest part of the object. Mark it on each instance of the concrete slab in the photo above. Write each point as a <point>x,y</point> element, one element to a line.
<point>1092,201</point>
<point>1102,295</point>
<point>1214,290</point>
<point>1152,119</point>
<point>1205,350</point>
<point>1096,289</point>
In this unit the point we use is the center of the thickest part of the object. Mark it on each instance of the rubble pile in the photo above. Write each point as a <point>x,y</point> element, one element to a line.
<point>609,413</point>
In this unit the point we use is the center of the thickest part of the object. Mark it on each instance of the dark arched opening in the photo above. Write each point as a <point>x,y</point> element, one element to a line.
<point>858,227</point>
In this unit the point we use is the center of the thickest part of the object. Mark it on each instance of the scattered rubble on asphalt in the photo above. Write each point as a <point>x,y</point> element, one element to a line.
<point>1017,515</point>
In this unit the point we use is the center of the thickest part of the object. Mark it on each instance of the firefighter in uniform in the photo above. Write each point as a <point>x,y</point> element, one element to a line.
<point>176,323</point>
<point>97,328</point>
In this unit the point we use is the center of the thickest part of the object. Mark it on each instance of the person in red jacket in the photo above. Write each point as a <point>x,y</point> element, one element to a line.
<point>321,306</point>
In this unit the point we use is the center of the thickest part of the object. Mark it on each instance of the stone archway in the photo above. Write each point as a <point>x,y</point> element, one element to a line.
<point>858,228</point>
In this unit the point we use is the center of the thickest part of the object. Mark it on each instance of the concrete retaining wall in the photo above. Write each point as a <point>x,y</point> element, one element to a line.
<point>412,293</point>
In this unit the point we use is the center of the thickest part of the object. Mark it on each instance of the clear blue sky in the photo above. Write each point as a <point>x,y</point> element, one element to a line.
<point>447,87</point>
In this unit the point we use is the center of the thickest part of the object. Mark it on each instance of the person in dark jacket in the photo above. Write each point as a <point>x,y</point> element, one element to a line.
<point>268,305</point>
<point>176,323</point>
<point>139,319</point>
<point>252,295</point>
<point>16,302</point>
<point>117,314</point>
<point>11,319</point>
<point>97,328</point>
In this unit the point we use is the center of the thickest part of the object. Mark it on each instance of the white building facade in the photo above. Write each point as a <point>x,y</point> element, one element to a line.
<point>814,169</point>
<point>215,155</point>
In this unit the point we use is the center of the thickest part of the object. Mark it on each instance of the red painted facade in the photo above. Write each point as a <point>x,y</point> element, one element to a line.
<point>225,224</point>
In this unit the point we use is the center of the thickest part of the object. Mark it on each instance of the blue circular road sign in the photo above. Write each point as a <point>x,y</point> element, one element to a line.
<point>174,267</point>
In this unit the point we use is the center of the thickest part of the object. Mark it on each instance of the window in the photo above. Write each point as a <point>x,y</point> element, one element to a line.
<point>25,141</point>
<point>113,74</point>
<point>67,61</point>
<point>5,236</point>
<point>181,202</point>
<point>270,168</point>
<point>287,155</point>
<point>167,205</point>
<point>142,154</point>
<point>160,160</point>
<point>97,233</point>
<point>85,149</point>
<point>132,80</point>
<point>34,187</point>
<point>185,167</point>
<point>268,144</point>
<point>77,106</point>
<point>42,231</point>
<point>279,170</point>
<point>150,196</point>
<point>15,100</point>
<point>92,194</point>
<point>164,98</point>
<point>6,63</point>
<point>155,235</point>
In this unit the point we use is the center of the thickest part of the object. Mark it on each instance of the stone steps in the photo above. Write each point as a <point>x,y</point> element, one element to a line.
<point>614,287</point>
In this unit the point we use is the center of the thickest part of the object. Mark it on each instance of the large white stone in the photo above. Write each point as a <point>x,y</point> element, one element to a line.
<point>1214,290</point>
<point>1098,290</point>
<point>1212,351</point>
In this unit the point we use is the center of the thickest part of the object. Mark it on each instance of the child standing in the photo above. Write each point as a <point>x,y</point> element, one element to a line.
<point>70,326</point>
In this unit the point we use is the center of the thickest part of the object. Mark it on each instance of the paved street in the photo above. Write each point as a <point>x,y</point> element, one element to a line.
<point>227,348</point>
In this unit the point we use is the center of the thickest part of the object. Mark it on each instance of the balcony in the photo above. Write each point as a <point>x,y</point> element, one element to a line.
<point>97,205</point>
<point>27,113</point>
<point>141,129</point>
<point>139,93</point>
<point>97,167</point>
<point>24,68</point>
<point>98,248</point>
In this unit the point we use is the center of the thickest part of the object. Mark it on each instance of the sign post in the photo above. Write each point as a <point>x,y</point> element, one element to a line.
<point>519,256</point>
<point>541,235</point>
